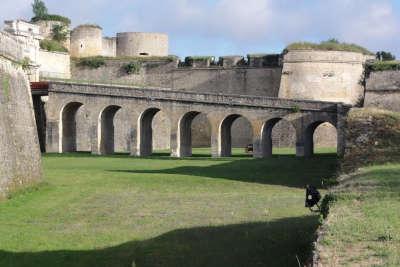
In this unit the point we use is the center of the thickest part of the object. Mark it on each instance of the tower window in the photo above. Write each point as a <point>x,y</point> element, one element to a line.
<point>144,54</point>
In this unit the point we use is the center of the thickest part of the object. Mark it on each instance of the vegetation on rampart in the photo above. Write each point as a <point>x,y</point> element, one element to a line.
<point>384,65</point>
<point>92,62</point>
<point>52,45</point>
<point>52,17</point>
<point>329,45</point>
<point>91,25</point>
<point>132,67</point>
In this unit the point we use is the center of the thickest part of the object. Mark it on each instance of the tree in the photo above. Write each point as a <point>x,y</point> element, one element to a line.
<point>39,8</point>
<point>385,56</point>
<point>60,33</point>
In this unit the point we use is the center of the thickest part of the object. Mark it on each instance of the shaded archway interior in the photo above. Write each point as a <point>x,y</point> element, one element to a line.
<point>146,132</point>
<point>107,130</point>
<point>69,132</point>
<point>310,135</point>
<point>226,133</point>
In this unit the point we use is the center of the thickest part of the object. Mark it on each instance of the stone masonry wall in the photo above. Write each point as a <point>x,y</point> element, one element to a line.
<point>54,65</point>
<point>323,75</point>
<point>19,145</point>
<point>372,136</point>
<point>383,90</point>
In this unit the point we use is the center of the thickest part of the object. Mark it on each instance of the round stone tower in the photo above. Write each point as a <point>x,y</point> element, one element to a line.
<point>323,75</point>
<point>142,44</point>
<point>86,41</point>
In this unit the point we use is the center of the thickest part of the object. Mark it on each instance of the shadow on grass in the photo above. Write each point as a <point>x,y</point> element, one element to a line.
<point>275,243</point>
<point>286,170</point>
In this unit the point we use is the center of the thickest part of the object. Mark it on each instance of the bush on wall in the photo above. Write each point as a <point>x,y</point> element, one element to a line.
<point>132,67</point>
<point>92,62</point>
<point>52,45</point>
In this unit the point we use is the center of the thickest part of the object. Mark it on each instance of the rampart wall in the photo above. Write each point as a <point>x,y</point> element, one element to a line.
<point>19,146</point>
<point>383,90</point>
<point>54,65</point>
<point>323,75</point>
<point>109,47</point>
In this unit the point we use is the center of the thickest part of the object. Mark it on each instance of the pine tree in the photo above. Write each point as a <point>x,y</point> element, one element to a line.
<point>39,8</point>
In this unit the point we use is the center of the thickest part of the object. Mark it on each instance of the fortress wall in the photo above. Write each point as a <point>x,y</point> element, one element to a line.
<point>164,73</point>
<point>86,41</point>
<point>383,90</point>
<point>244,81</point>
<point>54,65</point>
<point>323,75</point>
<point>11,47</point>
<point>152,73</point>
<point>19,145</point>
<point>109,47</point>
<point>46,30</point>
<point>140,43</point>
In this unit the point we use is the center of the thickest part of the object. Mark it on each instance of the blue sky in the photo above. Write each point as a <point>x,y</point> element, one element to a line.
<point>235,27</point>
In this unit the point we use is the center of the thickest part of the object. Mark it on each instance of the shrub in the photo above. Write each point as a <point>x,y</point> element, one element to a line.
<point>52,17</point>
<point>329,45</point>
<point>132,67</point>
<point>384,65</point>
<point>52,45</point>
<point>295,109</point>
<point>327,202</point>
<point>92,62</point>
<point>385,56</point>
<point>60,33</point>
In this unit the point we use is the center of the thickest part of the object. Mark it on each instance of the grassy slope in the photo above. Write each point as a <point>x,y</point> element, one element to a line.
<point>108,211</point>
<point>363,227</point>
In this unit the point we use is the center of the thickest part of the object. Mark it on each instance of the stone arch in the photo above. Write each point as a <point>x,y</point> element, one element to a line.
<point>225,134</point>
<point>309,136</point>
<point>67,128</point>
<point>145,132</point>
<point>267,142</point>
<point>185,143</point>
<point>325,136</point>
<point>106,138</point>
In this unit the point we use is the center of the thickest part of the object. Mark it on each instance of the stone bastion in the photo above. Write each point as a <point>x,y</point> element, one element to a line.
<point>323,75</point>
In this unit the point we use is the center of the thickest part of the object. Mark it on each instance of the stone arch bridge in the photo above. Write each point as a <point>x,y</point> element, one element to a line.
<point>138,106</point>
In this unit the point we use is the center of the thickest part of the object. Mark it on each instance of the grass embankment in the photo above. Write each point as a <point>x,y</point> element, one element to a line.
<point>363,226</point>
<point>158,211</point>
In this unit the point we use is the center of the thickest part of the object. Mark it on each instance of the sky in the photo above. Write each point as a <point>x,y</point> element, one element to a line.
<point>234,27</point>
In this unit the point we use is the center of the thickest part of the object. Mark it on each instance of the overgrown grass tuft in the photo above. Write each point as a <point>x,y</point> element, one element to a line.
<point>330,45</point>
<point>384,65</point>
<point>52,45</point>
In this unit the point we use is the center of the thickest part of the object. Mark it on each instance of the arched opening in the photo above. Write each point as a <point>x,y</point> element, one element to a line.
<point>161,138</point>
<point>278,136</point>
<point>314,138</point>
<point>235,131</point>
<point>145,133</point>
<point>187,131</point>
<point>325,138</point>
<point>106,130</point>
<point>201,134</point>
<point>68,127</point>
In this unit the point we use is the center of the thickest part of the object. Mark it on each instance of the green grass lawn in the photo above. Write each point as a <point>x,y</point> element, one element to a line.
<point>363,227</point>
<point>159,211</point>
